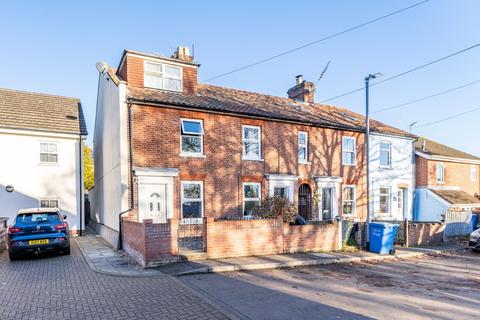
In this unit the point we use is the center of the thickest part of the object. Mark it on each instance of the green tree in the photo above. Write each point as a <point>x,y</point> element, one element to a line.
<point>88,178</point>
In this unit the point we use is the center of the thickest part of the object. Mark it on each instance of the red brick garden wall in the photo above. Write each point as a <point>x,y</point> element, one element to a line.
<point>243,237</point>
<point>150,243</point>
<point>311,237</point>
<point>423,233</point>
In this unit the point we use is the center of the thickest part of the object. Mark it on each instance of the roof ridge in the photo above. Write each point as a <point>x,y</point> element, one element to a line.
<point>444,145</point>
<point>40,94</point>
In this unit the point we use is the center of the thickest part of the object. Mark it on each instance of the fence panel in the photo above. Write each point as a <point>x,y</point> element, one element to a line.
<point>458,223</point>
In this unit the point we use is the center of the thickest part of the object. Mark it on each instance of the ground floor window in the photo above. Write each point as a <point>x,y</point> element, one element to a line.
<point>348,207</point>
<point>384,200</point>
<point>251,197</point>
<point>49,203</point>
<point>192,199</point>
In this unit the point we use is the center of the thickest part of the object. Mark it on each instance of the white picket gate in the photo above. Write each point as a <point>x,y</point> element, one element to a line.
<point>458,223</point>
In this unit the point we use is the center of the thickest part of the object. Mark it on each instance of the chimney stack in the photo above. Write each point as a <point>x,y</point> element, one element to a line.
<point>303,91</point>
<point>182,53</point>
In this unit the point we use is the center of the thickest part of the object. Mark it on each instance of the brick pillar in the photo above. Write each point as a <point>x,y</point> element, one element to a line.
<point>209,224</point>
<point>173,235</point>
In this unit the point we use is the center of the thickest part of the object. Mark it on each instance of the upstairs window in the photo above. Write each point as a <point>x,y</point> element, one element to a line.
<point>251,142</point>
<point>162,76</point>
<point>192,137</point>
<point>48,152</point>
<point>302,147</point>
<point>349,152</point>
<point>385,154</point>
<point>473,173</point>
<point>440,173</point>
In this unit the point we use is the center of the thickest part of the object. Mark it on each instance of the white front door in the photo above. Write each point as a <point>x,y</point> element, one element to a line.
<point>155,203</point>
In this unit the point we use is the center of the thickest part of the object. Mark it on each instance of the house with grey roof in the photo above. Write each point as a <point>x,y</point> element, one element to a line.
<point>447,179</point>
<point>41,138</point>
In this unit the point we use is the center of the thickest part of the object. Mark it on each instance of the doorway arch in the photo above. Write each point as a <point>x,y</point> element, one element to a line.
<point>305,201</point>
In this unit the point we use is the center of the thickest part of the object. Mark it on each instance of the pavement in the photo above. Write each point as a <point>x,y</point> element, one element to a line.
<point>53,286</point>
<point>438,286</point>
<point>295,260</point>
<point>103,259</point>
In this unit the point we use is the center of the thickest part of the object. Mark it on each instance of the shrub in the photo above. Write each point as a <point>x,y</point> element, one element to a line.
<point>273,207</point>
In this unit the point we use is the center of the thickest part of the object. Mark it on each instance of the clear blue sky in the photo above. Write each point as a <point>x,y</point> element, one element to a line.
<point>52,47</point>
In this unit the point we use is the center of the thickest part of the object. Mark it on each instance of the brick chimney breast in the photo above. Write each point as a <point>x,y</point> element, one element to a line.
<point>303,91</point>
<point>182,53</point>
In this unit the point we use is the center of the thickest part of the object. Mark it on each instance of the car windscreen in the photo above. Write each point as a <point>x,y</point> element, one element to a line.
<point>35,218</point>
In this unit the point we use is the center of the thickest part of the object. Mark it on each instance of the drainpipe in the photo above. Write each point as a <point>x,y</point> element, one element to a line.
<point>130,163</point>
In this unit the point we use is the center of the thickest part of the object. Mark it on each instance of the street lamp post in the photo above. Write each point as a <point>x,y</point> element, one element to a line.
<point>367,145</point>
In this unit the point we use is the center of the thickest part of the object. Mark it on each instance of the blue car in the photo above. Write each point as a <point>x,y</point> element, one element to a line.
<point>38,230</point>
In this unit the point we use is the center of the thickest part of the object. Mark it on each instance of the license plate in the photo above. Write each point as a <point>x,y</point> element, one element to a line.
<point>42,241</point>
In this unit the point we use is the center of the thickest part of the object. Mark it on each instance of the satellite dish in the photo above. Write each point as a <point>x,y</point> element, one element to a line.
<point>101,66</point>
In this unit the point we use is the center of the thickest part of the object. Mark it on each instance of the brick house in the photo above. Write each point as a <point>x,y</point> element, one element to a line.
<point>168,148</point>
<point>447,179</point>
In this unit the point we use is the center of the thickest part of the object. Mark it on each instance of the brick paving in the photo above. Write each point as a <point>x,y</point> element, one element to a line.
<point>64,287</point>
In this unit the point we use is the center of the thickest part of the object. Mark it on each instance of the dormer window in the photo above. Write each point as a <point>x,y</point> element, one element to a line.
<point>163,76</point>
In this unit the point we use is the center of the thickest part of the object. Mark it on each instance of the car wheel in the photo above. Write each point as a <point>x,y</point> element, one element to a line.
<point>66,251</point>
<point>12,256</point>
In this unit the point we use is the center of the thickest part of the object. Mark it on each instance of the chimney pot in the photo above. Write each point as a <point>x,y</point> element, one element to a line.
<point>302,91</point>
<point>182,53</point>
<point>299,78</point>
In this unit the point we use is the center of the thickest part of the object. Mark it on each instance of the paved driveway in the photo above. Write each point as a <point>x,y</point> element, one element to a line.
<point>64,287</point>
<point>442,287</point>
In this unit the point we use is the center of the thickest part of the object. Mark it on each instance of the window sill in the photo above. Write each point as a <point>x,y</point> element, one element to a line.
<point>349,165</point>
<point>49,164</point>
<point>186,155</point>
<point>385,167</point>
<point>252,159</point>
<point>304,162</point>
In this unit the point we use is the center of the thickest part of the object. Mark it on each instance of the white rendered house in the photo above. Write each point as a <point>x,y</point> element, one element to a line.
<point>41,163</point>
<point>392,176</point>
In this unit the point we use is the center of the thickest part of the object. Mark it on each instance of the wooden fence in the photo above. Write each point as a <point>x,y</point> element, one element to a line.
<point>458,223</point>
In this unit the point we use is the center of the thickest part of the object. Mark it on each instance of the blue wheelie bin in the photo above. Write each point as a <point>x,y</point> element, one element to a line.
<point>382,236</point>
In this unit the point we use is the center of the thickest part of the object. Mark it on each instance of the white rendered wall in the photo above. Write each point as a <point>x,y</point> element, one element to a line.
<point>401,172</point>
<point>110,153</point>
<point>427,206</point>
<point>20,167</point>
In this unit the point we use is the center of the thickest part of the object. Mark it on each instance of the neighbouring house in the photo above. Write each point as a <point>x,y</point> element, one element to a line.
<point>447,179</point>
<point>41,137</point>
<point>392,175</point>
<point>177,153</point>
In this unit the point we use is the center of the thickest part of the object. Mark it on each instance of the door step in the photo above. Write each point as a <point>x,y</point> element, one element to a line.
<point>191,255</point>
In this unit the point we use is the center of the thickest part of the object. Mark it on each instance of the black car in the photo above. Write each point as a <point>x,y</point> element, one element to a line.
<point>38,230</point>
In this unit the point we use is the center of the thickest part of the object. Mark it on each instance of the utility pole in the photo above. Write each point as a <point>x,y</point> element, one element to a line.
<point>367,144</point>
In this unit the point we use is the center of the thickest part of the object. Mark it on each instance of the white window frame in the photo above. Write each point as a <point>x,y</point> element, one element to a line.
<point>162,75</point>
<point>389,198</point>
<point>354,151</point>
<point>300,146</point>
<point>473,172</point>
<point>259,141</point>
<point>245,199</point>
<point>440,179</point>
<point>183,200</point>
<point>354,200</point>
<point>389,154</point>
<point>190,134</point>
<point>56,153</point>
<point>49,199</point>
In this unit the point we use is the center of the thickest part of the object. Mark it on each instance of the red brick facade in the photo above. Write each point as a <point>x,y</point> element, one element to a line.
<point>156,143</point>
<point>132,71</point>
<point>455,174</point>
